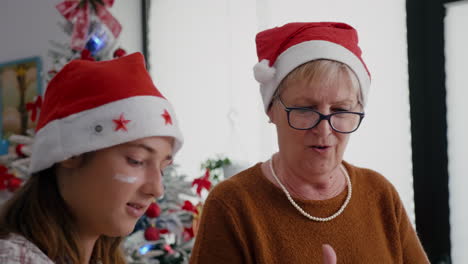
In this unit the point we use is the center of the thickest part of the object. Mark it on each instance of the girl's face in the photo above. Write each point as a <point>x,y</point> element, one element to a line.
<point>111,188</point>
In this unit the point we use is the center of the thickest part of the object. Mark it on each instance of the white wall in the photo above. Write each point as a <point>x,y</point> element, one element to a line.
<point>456,56</point>
<point>26,27</point>
<point>202,55</point>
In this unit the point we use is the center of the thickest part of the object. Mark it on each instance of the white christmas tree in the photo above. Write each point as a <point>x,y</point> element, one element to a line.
<point>166,234</point>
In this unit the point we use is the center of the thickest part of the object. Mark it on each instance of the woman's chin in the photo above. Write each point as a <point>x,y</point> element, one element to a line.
<point>319,165</point>
<point>317,155</point>
<point>121,230</point>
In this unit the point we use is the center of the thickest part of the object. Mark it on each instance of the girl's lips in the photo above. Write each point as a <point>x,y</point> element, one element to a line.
<point>135,209</point>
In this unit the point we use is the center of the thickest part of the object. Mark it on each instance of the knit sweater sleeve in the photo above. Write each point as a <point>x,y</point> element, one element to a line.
<point>412,249</point>
<point>219,238</point>
<point>18,250</point>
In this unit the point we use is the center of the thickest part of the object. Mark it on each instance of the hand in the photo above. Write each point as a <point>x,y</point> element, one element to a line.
<point>329,255</point>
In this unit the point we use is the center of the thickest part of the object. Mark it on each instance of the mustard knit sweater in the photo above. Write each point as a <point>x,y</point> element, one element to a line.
<point>247,219</point>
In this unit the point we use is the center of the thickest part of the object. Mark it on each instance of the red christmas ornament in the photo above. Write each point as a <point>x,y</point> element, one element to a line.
<point>190,207</point>
<point>202,182</point>
<point>3,184</point>
<point>167,117</point>
<point>163,231</point>
<point>86,55</point>
<point>8,181</point>
<point>4,179</point>
<point>3,170</point>
<point>119,53</point>
<point>188,233</point>
<point>14,184</point>
<point>34,107</point>
<point>19,150</point>
<point>152,233</point>
<point>169,249</point>
<point>153,210</point>
<point>121,123</point>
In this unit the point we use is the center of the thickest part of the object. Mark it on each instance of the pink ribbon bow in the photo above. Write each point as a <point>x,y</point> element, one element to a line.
<point>78,11</point>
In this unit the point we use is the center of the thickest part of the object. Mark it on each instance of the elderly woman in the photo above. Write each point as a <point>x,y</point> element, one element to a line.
<point>288,209</point>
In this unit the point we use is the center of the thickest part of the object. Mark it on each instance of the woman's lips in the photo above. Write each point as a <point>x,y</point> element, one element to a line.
<point>135,209</point>
<point>321,148</point>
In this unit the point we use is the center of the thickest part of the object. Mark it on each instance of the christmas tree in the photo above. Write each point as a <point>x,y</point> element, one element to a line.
<point>94,35</point>
<point>14,163</point>
<point>165,234</point>
<point>93,32</point>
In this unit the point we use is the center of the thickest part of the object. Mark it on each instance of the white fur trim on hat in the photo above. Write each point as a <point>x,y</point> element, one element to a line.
<point>308,51</point>
<point>94,129</point>
<point>263,72</point>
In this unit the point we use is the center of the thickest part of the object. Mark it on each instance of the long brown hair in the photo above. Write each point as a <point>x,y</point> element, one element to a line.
<point>38,212</point>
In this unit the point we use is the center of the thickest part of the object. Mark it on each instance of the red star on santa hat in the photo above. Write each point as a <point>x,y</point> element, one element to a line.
<point>121,123</point>
<point>167,117</point>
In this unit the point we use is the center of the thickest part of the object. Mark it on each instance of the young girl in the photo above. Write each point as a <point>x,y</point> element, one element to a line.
<point>104,136</point>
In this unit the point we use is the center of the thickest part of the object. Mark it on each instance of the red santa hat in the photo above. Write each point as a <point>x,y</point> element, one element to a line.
<point>282,49</point>
<point>94,105</point>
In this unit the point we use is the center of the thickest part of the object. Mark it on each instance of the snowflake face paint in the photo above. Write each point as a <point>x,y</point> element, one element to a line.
<point>125,178</point>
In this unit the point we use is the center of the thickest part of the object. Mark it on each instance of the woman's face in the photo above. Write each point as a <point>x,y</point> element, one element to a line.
<point>318,150</point>
<point>109,190</point>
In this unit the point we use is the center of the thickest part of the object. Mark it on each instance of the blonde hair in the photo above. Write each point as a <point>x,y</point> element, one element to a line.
<point>38,212</point>
<point>330,72</point>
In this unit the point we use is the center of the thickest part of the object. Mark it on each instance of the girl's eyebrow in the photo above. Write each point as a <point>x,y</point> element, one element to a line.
<point>148,149</point>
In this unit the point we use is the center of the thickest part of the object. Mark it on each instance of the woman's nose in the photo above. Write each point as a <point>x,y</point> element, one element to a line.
<point>153,184</point>
<point>322,128</point>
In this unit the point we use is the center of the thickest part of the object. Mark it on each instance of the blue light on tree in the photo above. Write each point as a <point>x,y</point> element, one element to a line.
<point>98,38</point>
<point>144,249</point>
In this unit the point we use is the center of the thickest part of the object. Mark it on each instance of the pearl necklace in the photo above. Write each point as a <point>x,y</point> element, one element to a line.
<point>315,218</point>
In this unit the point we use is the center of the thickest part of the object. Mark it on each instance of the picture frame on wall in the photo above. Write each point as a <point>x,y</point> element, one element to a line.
<point>20,91</point>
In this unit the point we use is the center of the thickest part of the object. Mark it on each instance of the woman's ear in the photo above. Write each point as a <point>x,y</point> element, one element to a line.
<point>270,114</point>
<point>72,163</point>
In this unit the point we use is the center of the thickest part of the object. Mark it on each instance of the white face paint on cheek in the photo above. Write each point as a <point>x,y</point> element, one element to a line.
<point>125,178</point>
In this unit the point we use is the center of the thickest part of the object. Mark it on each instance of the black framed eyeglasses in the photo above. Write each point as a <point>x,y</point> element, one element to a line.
<point>303,118</point>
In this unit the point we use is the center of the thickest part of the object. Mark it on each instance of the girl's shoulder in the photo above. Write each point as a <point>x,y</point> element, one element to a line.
<point>16,249</point>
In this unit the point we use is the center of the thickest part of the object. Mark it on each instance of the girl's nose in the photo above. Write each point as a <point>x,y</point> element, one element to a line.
<point>153,184</point>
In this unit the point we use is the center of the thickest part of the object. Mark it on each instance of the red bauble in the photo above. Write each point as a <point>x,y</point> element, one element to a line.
<point>152,233</point>
<point>5,177</point>
<point>19,150</point>
<point>119,53</point>
<point>153,210</point>
<point>86,55</point>
<point>14,184</point>
<point>189,207</point>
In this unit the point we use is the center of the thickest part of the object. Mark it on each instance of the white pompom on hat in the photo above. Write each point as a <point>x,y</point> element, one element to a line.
<point>282,49</point>
<point>94,105</point>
